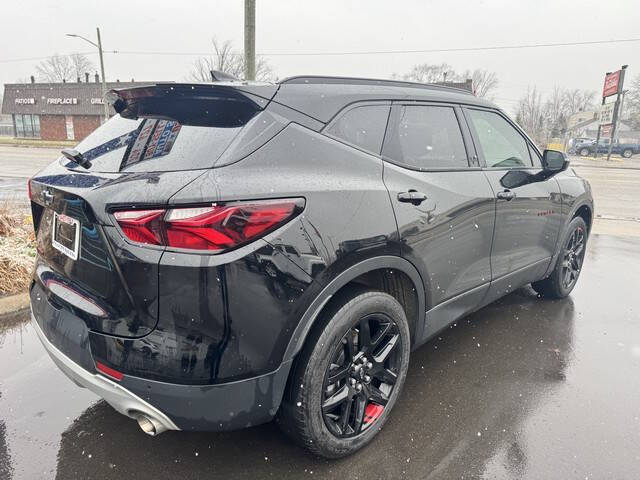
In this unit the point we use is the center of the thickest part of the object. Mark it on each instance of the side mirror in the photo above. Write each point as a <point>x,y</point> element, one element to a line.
<point>554,161</point>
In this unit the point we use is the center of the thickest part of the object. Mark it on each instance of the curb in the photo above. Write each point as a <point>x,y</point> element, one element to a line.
<point>13,304</point>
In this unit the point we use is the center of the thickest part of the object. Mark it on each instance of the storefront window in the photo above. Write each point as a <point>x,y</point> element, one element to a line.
<point>27,125</point>
<point>19,126</point>
<point>36,126</point>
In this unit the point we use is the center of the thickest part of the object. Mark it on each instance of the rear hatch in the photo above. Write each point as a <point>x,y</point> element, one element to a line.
<point>164,138</point>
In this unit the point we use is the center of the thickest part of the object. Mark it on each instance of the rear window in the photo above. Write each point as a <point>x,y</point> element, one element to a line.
<point>362,126</point>
<point>154,144</point>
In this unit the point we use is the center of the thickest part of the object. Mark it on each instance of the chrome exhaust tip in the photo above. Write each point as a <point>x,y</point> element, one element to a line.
<point>150,425</point>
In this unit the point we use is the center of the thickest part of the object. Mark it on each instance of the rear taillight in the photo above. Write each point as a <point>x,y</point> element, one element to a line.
<point>142,226</point>
<point>215,228</point>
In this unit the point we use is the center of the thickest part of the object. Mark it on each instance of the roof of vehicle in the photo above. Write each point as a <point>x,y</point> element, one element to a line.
<point>318,97</point>
<point>322,97</point>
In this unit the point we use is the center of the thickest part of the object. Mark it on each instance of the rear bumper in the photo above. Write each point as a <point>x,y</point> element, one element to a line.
<point>226,406</point>
<point>118,397</point>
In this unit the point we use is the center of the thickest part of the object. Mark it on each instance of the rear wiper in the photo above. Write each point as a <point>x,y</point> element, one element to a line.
<point>76,157</point>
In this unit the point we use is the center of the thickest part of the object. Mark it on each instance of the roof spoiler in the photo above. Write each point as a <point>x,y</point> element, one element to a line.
<point>219,104</point>
<point>220,76</point>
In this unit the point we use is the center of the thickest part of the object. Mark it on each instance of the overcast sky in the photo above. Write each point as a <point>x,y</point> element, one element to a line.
<point>31,28</point>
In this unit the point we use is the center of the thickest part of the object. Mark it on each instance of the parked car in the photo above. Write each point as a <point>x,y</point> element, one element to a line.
<point>626,150</point>
<point>575,143</point>
<point>416,205</point>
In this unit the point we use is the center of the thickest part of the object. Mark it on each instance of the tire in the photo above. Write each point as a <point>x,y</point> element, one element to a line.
<point>324,431</point>
<point>627,153</point>
<point>569,263</point>
<point>585,152</point>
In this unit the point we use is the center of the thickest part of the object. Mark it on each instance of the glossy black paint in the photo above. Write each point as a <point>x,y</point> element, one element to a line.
<point>119,277</point>
<point>192,330</point>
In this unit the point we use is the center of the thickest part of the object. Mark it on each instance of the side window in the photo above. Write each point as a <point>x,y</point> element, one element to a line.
<point>426,137</point>
<point>362,126</point>
<point>501,144</point>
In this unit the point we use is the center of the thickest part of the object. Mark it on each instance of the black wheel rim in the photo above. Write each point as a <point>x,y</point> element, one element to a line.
<point>361,376</point>
<point>573,257</point>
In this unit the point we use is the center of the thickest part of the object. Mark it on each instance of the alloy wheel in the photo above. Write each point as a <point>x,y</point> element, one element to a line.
<point>361,376</point>
<point>573,257</point>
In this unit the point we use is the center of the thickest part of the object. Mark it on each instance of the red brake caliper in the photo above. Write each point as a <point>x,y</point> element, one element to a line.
<point>372,412</point>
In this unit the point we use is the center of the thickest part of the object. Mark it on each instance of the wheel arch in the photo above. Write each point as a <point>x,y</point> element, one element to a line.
<point>364,273</point>
<point>585,211</point>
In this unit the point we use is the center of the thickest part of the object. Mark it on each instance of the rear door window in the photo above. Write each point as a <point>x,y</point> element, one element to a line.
<point>424,137</point>
<point>362,127</point>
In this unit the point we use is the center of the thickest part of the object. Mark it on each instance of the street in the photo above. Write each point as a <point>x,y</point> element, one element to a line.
<point>524,388</point>
<point>17,164</point>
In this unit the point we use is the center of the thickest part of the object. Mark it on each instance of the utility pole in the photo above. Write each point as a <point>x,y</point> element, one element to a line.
<point>250,39</point>
<point>104,81</point>
<point>616,110</point>
<point>595,148</point>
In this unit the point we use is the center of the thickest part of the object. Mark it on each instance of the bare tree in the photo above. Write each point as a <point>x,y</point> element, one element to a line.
<point>428,73</point>
<point>228,60</point>
<point>484,82</point>
<point>81,64</point>
<point>577,100</point>
<point>530,115</point>
<point>63,67</point>
<point>55,69</point>
<point>548,118</point>
<point>555,114</point>
<point>631,108</point>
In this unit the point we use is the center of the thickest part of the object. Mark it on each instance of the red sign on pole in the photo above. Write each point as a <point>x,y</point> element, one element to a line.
<point>611,83</point>
<point>605,130</point>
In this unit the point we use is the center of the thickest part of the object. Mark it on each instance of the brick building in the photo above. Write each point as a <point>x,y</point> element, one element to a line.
<point>57,111</point>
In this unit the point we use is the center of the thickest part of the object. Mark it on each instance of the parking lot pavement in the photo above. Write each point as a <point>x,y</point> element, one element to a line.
<point>616,194</point>
<point>525,388</point>
<point>17,164</point>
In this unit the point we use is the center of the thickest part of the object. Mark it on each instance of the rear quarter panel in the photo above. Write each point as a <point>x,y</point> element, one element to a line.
<point>347,218</point>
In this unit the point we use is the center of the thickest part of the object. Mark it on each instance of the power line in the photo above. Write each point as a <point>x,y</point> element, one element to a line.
<point>463,49</point>
<point>391,52</point>
<point>362,52</point>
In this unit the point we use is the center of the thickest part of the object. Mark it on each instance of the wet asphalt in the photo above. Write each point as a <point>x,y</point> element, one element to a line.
<point>523,389</point>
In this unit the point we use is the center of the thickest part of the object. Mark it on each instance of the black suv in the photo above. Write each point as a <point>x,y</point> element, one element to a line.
<point>217,255</point>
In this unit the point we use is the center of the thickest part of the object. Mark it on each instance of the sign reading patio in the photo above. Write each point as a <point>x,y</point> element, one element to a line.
<point>611,82</point>
<point>62,101</point>
<point>25,101</point>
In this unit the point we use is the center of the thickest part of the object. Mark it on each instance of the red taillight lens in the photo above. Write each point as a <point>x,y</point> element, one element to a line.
<point>142,226</point>
<point>215,228</point>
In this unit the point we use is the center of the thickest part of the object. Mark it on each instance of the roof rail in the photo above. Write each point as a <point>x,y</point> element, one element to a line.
<point>319,79</point>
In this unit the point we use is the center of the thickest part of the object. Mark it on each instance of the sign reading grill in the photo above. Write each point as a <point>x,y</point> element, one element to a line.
<point>66,235</point>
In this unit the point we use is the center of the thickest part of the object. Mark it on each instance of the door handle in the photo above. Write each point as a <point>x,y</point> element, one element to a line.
<point>507,195</point>
<point>412,196</point>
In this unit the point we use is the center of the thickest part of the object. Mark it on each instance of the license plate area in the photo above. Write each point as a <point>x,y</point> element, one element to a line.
<point>66,235</point>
